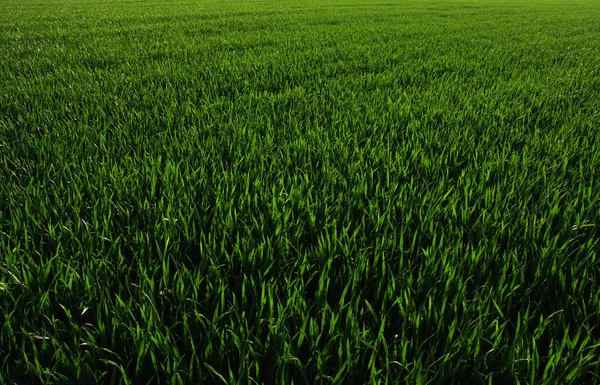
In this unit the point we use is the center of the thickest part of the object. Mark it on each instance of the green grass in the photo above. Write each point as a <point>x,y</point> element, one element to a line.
<point>278,192</point>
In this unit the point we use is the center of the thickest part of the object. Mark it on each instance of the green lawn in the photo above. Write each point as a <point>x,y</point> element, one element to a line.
<point>300,192</point>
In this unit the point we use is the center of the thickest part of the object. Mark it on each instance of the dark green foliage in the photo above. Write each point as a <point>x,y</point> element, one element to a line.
<point>275,192</point>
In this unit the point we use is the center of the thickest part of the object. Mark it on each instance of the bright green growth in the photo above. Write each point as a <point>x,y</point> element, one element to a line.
<point>345,192</point>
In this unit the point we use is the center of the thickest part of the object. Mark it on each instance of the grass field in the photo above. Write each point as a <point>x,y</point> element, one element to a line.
<point>316,192</point>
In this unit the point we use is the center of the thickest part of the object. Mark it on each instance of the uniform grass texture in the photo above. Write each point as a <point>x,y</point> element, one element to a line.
<point>286,192</point>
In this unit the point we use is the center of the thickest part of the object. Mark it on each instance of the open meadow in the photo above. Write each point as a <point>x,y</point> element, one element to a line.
<point>300,192</point>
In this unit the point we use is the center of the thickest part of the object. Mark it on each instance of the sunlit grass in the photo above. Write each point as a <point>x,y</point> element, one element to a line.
<point>312,192</point>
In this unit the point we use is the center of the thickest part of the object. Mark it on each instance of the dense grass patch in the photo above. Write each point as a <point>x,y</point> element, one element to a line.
<point>344,192</point>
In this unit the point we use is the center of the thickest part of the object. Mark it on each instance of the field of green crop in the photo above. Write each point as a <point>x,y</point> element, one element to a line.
<point>300,192</point>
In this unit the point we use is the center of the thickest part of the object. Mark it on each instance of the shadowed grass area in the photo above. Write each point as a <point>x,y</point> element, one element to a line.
<point>340,192</point>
